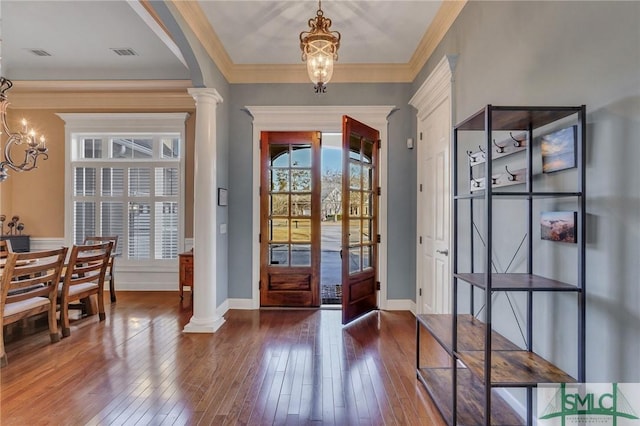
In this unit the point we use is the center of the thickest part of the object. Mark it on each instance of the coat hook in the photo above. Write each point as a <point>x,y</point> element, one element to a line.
<point>512,177</point>
<point>476,183</point>
<point>472,158</point>
<point>517,142</point>
<point>494,180</point>
<point>482,152</point>
<point>499,149</point>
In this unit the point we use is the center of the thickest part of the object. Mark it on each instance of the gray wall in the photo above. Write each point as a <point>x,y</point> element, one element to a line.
<point>401,173</point>
<point>204,73</point>
<point>570,53</point>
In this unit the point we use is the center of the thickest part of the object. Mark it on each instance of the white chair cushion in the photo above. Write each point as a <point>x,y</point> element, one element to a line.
<point>79,288</point>
<point>24,305</point>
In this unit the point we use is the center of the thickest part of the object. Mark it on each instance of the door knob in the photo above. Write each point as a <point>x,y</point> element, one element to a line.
<point>444,252</point>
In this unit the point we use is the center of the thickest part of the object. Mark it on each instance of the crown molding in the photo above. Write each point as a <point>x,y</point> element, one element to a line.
<point>195,18</point>
<point>152,95</point>
<point>445,17</point>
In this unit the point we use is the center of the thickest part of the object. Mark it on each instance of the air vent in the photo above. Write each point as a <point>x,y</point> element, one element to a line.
<point>124,51</point>
<point>39,52</point>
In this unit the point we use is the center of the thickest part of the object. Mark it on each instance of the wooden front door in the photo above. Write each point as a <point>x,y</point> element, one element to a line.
<point>359,219</point>
<point>290,219</point>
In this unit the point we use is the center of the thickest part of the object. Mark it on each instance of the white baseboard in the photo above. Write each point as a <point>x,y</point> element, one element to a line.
<point>244,304</point>
<point>401,305</point>
<point>223,308</point>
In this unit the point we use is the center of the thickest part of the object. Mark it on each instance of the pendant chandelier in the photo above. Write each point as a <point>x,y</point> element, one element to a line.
<point>319,48</point>
<point>34,147</point>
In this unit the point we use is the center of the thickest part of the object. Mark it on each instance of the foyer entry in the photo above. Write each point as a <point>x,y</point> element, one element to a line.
<point>292,211</point>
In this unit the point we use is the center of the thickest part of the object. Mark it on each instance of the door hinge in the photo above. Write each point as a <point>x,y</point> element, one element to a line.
<point>419,292</point>
<point>420,135</point>
<point>420,187</point>
<point>379,143</point>
<point>260,285</point>
<point>377,285</point>
<point>260,238</point>
<point>379,239</point>
<point>379,191</point>
<point>420,239</point>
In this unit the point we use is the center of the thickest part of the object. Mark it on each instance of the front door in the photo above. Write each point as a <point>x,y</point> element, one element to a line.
<point>359,219</point>
<point>290,219</point>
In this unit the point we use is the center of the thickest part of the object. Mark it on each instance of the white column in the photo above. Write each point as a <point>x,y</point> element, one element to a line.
<point>205,317</point>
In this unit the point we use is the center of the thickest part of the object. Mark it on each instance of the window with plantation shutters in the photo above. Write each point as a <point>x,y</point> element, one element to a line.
<point>130,185</point>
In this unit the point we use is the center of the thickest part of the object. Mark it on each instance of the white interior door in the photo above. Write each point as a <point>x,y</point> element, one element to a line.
<point>434,197</point>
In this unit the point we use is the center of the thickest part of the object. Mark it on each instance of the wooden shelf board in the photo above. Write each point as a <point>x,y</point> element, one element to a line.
<point>517,282</point>
<point>515,368</point>
<point>438,382</point>
<point>471,332</point>
<point>517,118</point>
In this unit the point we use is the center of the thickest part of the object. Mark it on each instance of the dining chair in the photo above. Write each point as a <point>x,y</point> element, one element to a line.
<point>5,248</point>
<point>110,274</point>
<point>84,277</point>
<point>29,286</point>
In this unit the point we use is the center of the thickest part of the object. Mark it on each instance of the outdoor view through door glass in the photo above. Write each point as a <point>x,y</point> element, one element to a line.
<point>331,216</point>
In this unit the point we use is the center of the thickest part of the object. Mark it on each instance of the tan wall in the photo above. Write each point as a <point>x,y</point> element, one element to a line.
<point>37,197</point>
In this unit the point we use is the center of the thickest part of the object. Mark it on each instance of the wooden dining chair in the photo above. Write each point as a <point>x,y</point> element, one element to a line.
<point>110,274</point>
<point>84,277</point>
<point>29,286</point>
<point>5,248</point>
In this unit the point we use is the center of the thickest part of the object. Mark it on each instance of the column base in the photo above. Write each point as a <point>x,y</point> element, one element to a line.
<point>208,325</point>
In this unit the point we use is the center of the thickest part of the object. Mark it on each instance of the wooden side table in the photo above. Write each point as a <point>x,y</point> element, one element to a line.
<point>186,272</point>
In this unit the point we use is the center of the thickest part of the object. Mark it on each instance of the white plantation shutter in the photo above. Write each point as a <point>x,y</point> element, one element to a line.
<point>112,220</point>
<point>129,185</point>
<point>84,217</point>
<point>166,229</point>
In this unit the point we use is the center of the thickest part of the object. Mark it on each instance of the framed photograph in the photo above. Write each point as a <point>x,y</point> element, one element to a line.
<point>559,150</point>
<point>558,226</point>
<point>222,197</point>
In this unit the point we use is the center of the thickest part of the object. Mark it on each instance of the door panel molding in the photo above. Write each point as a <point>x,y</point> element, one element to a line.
<point>324,119</point>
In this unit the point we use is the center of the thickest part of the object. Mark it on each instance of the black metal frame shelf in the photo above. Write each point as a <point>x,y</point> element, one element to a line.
<point>476,350</point>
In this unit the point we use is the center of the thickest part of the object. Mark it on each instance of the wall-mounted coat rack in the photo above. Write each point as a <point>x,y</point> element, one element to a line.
<point>501,149</point>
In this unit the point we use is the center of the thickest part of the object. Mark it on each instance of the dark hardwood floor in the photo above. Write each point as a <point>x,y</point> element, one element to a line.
<point>261,367</point>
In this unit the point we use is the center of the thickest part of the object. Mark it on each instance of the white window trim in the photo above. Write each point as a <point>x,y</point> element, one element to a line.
<point>119,123</point>
<point>325,119</point>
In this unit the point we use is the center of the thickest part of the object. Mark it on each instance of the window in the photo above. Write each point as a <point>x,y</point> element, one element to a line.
<point>127,183</point>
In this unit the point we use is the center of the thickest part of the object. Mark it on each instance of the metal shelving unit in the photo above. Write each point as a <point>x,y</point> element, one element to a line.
<point>479,360</point>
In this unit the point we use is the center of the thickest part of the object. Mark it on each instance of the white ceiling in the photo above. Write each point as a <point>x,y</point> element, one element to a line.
<point>79,35</point>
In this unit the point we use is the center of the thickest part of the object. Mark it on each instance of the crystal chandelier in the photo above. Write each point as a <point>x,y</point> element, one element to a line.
<point>34,147</point>
<point>320,49</point>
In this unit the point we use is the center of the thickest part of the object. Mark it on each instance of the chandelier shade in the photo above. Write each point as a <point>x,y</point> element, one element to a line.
<point>319,48</point>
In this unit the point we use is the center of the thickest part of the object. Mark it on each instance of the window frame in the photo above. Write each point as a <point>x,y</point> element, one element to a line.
<point>110,125</point>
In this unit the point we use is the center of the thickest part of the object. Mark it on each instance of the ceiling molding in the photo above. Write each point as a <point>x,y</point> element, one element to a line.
<point>195,18</point>
<point>343,73</point>
<point>446,15</point>
<point>151,95</point>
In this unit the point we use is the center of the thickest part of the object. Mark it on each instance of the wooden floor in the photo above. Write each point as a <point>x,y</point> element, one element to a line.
<point>261,367</point>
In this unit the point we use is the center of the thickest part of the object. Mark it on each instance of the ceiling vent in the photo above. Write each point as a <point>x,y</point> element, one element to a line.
<point>39,52</point>
<point>124,51</point>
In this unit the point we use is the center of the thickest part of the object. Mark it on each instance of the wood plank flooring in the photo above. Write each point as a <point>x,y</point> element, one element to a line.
<point>260,368</point>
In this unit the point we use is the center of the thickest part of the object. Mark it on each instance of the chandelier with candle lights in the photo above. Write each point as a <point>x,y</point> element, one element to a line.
<point>320,49</point>
<point>33,147</point>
